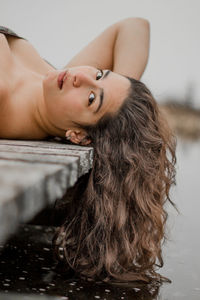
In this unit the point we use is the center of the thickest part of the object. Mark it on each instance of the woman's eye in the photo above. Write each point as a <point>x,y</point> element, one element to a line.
<point>99,74</point>
<point>91,98</point>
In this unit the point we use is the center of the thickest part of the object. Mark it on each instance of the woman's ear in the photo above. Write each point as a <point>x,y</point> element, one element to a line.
<point>77,136</point>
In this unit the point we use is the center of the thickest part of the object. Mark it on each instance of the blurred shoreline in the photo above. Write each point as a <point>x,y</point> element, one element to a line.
<point>183,118</point>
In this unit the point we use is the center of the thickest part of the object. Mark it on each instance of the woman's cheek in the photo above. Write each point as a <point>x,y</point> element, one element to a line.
<point>74,104</point>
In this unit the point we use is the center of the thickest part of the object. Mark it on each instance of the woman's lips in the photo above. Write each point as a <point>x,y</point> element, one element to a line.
<point>61,78</point>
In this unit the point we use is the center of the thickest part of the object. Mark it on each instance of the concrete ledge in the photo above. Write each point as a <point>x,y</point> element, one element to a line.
<point>34,174</point>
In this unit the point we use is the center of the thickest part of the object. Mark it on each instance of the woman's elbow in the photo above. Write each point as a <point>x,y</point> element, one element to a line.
<point>137,21</point>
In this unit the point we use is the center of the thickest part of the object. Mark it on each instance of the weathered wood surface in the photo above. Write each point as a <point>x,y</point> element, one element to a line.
<point>34,174</point>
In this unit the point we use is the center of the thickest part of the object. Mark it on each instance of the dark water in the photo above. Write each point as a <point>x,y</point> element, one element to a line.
<point>26,265</point>
<point>28,271</point>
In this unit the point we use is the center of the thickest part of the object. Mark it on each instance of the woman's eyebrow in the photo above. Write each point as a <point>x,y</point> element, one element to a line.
<point>100,102</point>
<point>106,74</point>
<point>102,93</point>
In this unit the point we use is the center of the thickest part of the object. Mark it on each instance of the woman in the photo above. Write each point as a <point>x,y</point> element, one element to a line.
<point>116,226</point>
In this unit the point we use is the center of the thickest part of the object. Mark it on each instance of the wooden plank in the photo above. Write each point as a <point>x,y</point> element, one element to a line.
<point>33,174</point>
<point>26,188</point>
<point>85,153</point>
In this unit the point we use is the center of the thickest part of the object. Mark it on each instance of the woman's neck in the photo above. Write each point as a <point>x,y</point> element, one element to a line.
<point>22,109</point>
<point>33,107</point>
<point>41,119</point>
<point>23,112</point>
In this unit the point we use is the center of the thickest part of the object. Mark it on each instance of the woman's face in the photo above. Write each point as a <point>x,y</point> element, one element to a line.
<point>82,94</point>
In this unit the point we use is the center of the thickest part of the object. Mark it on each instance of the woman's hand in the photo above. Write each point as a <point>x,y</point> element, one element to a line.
<point>122,48</point>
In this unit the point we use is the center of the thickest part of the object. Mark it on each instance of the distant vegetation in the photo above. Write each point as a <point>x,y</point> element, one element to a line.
<point>183,118</point>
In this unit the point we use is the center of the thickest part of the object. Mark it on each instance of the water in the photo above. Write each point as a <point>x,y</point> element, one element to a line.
<point>27,267</point>
<point>182,258</point>
<point>27,270</point>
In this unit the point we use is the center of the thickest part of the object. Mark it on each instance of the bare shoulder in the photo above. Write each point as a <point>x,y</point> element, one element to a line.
<point>28,55</point>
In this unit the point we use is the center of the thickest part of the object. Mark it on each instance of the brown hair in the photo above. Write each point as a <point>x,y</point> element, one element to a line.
<point>116,227</point>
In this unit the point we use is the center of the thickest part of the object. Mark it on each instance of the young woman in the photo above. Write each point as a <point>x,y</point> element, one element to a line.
<point>115,228</point>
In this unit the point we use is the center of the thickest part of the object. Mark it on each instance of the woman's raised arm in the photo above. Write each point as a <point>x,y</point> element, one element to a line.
<point>122,48</point>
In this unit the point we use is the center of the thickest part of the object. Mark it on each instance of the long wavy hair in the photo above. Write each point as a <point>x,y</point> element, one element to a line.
<point>116,224</point>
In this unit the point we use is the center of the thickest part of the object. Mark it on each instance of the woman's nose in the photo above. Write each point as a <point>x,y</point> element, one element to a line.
<point>81,78</point>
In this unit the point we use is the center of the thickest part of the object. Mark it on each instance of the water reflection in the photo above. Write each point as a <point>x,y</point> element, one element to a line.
<point>26,267</point>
